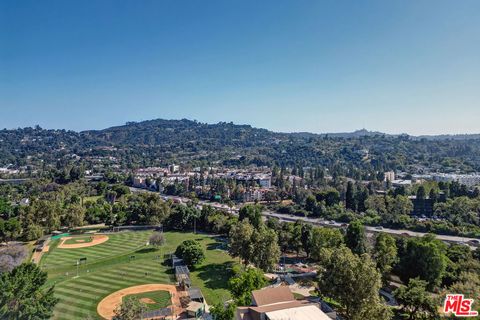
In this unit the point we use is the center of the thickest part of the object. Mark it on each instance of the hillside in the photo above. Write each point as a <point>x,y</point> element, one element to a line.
<point>160,141</point>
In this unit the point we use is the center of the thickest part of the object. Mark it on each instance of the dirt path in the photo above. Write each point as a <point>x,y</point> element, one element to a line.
<point>37,255</point>
<point>107,306</point>
<point>97,239</point>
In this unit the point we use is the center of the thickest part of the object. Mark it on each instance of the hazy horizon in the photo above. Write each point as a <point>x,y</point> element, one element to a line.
<point>278,131</point>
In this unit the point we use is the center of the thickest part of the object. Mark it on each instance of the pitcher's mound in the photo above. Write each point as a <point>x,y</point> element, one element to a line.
<point>147,301</point>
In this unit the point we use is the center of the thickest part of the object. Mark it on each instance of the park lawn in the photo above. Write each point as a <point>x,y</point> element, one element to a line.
<point>124,261</point>
<point>76,240</point>
<point>153,300</point>
<point>117,244</point>
<point>213,274</point>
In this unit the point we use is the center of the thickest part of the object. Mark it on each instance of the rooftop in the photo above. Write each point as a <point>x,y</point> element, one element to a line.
<point>272,295</point>
<point>309,312</point>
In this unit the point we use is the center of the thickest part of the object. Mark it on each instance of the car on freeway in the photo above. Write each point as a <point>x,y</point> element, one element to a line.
<point>474,242</point>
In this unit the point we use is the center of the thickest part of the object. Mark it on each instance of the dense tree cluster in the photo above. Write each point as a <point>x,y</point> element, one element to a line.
<point>454,209</point>
<point>257,245</point>
<point>23,295</point>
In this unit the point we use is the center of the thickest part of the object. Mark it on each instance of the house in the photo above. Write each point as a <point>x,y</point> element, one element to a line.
<point>195,309</point>
<point>279,304</point>
<point>139,182</point>
<point>195,294</point>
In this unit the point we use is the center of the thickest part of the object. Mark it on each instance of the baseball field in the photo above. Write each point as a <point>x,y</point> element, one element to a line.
<point>122,261</point>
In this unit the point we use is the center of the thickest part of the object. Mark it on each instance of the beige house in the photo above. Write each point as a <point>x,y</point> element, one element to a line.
<point>279,304</point>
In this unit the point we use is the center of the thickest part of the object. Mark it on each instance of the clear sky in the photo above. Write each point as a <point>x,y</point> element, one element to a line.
<point>321,66</point>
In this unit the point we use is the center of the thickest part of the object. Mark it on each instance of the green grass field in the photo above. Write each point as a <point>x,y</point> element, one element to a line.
<point>154,299</point>
<point>110,268</point>
<point>75,240</point>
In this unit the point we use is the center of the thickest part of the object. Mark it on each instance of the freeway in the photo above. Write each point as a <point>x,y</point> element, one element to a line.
<point>316,221</point>
<point>321,222</point>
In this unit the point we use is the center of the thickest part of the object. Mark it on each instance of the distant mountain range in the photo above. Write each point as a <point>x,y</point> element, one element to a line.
<point>161,141</point>
<point>156,124</point>
<point>367,133</point>
<point>148,124</point>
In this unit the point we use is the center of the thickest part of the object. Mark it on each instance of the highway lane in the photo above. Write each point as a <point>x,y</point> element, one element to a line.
<point>320,222</point>
<point>316,221</point>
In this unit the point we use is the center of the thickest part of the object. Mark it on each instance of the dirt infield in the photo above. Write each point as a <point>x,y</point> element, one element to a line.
<point>106,307</point>
<point>97,239</point>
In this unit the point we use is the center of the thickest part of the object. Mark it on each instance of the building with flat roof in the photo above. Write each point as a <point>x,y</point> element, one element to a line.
<point>279,304</point>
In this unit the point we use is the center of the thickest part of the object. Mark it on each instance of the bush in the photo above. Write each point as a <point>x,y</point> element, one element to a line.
<point>157,239</point>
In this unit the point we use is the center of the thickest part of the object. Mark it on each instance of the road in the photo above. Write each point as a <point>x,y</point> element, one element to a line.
<point>316,221</point>
<point>319,222</point>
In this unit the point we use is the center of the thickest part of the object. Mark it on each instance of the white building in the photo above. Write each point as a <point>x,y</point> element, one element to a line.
<point>389,176</point>
<point>470,180</point>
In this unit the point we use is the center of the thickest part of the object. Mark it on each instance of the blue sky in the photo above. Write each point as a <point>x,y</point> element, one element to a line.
<point>319,66</point>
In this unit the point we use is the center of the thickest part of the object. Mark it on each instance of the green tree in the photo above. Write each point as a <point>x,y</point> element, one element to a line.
<point>2,230</point>
<point>398,206</point>
<point>324,238</point>
<point>376,203</point>
<point>266,252</point>
<point>285,236</point>
<point>47,214</point>
<point>350,197</point>
<point>421,193</point>
<point>243,283</point>
<point>416,301</point>
<point>251,212</point>
<point>182,218</point>
<point>307,236</point>
<point>130,309</point>
<point>33,232</point>
<point>23,296</point>
<point>296,240</point>
<point>10,229</point>
<point>240,243</point>
<point>356,238</point>
<point>223,312</point>
<point>191,252</point>
<point>424,258</point>
<point>385,254</point>
<point>476,254</point>
<point>74,215</point>
<point>310,203</point>
<point>354,282</point>
<point>6,208</point>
